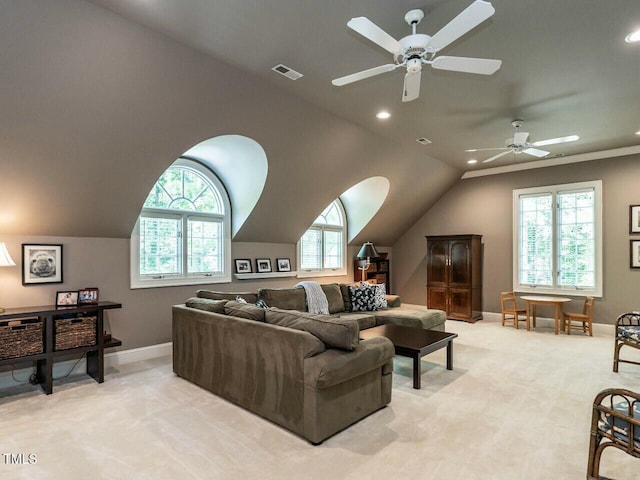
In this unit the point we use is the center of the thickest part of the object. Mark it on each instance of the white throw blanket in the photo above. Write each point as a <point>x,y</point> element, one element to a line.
<point>316,299</point>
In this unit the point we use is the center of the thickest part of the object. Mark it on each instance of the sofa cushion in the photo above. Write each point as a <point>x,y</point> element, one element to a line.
<point>334,297</point>
<point>365,320</point>
<point>417,316</point>
<point>393,301</point>
<point>206,304</point>
<point>334,332</point>
<point>244,310</point>
<point>284,298</point>
<point>363,298</point>
<point>250,297</point>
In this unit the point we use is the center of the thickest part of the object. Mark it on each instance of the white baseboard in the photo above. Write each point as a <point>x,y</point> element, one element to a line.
<point>598,328</point>
<point>64,368</point>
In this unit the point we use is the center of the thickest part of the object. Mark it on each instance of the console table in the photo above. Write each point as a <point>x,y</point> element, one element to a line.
<point>49,315</point>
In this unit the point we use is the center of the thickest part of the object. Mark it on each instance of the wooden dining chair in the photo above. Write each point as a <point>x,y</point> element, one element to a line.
<point>585,319</point>
<point>510,310</point>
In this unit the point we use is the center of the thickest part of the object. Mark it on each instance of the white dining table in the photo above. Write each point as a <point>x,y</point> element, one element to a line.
<point>557,302</point>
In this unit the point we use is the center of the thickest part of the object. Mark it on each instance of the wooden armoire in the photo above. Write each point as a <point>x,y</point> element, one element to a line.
<point>454,275</point>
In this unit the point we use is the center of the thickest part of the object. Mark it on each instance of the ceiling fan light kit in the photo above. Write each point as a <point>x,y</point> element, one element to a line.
<point>417,49</point>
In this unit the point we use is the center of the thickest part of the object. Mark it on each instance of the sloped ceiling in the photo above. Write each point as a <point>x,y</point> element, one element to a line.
<point>95,107</point>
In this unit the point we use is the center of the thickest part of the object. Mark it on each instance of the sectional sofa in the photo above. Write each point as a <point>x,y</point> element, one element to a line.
<point>308,373</point>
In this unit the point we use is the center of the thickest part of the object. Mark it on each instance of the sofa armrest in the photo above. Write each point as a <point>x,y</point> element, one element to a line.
<point>334,366</point>
<point>393,300</point>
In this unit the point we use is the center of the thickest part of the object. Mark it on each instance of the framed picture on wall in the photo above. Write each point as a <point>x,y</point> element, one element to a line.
<point>41,263</point>
<point>635,254</point>
<point>243,265</point>
<point>283,264</point>
<point>634,219</point>
<point>263,265</point>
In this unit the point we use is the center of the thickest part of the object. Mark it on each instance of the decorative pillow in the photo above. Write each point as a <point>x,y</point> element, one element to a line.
<point>206,304</point>
<point>334,297</point>
<point>239,299</point>
<point>333,332</point>
<point>346,294</point>
<point>363,298</point>
<point>250,297</point>
<point>285,298</point>
<point>261,303</point>
<point>393,301</point>
<point>244,310</point>
<point>380,295</point>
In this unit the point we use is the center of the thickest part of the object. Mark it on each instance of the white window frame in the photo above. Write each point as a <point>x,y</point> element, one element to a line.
<point>596,185</point>
<point>146,281</point>
<point>326,272</point>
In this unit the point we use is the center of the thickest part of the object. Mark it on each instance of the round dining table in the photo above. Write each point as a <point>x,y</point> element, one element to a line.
<point>557,302</point>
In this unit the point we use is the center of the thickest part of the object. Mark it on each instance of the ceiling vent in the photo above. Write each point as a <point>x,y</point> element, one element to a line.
<point>287,72</point>
<point>423,141</point>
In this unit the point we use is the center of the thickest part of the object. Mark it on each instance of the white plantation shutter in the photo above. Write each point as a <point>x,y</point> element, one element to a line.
<point>558,239</point>
<point>332,249</point>
<point>160,246</point>
<point>321,249</point>
<point>311,249</point>
<point>204,240</point>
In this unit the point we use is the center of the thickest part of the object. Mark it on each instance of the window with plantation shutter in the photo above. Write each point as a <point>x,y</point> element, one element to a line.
<point>558,239</point>
<point>321,250</point>
<point>182,236</point>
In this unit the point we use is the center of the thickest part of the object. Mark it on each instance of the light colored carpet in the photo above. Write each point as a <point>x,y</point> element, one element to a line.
<point>516,406</point>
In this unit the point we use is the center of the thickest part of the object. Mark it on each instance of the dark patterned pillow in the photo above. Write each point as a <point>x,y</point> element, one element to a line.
<point>261,303</point>
<point>239,299</point>
<point>380,295</point>
<point>362,298</point>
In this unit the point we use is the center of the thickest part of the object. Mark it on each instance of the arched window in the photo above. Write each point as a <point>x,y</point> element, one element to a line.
<point>182,236</point>
<point>322,249</point>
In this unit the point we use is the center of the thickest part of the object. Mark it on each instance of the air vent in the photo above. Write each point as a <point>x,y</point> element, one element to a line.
<point>423,141</point>
<point>287,72</point>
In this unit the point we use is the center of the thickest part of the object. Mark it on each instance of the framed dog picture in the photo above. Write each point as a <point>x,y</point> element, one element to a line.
<point>263,265</point>
<point>41,263</point>
<point>243,265</point>
<point>283,264</point>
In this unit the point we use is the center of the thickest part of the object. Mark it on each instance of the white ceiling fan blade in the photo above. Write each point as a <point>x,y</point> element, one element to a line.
<point>370,30</point>
<point>520,138</point>
<point>354,77</point>
<point>535,152</point>
<point>552,141</point>
<point>482,66</point>
<point>491,159</point>
<point>467,20</point>
<point>411,88</point>
<point>486,149</point>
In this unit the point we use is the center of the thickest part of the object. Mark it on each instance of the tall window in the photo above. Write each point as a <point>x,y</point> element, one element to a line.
<point>182,236</point>
<point>321,250</point>
<point>558,239</point>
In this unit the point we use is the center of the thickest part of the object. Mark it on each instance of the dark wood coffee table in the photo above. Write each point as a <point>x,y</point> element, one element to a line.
<point>414,343</point>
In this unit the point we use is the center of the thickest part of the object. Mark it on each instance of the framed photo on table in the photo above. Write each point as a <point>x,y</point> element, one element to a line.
<point>634,219</point>
<point>41,263</point>
<point>67,298</point>
<point>263,265</point>
<point>88,296</point>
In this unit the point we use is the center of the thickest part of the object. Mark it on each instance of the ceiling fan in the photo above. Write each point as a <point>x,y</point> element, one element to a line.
<point>417,49</point>
<point>520,144</point>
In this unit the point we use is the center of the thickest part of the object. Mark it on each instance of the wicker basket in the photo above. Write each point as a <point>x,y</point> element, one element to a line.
<point>19,338</point>
<point>75,332</point>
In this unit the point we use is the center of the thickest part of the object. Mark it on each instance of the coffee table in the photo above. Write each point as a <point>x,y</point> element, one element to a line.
<point>414,343</point>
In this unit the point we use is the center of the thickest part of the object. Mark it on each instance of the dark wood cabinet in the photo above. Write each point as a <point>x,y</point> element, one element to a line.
<point>378,270</point>
<point>454,276</point>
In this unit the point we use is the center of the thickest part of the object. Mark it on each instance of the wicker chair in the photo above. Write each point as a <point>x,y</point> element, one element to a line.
<point>510,311</point>
<point>627,333</point>
<point>585,318</point>
<point>615,422</point>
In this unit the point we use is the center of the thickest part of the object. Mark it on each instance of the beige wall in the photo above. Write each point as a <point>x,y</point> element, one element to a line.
<point>145,318</point>
<point>483,205</point>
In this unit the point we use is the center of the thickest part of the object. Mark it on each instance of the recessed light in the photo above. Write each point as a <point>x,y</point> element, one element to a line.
<point>383,115</point>
<point>472,161</point>
<point>638,132</point>
<point>633,37</point>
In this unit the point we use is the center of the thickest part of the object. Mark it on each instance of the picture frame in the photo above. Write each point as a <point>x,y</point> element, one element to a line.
<point>66,298</point>
<point>243,265</point>
<point>283,264</point>
<point>263,265</point>
<point>634,249</point>
<point>88,296</point>
<point>41,263</point>
<point>634,219</point>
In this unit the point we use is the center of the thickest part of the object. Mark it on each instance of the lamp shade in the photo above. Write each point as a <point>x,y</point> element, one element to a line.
<point>5,258</point>
<point>367,251</point>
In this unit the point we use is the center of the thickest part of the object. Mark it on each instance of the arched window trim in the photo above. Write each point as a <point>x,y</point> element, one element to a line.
<point>322,228</point>
<point>183,278</point>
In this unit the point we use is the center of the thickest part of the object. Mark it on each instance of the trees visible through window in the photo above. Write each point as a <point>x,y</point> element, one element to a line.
<point>182,234</point>
<point>557,238</point>
<point>321,249</point>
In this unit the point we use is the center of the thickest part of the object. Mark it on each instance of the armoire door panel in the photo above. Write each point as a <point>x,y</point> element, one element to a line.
<point>460,264</point>
<point>437,261</point>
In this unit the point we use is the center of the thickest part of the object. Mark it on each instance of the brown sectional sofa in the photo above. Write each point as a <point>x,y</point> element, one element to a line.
<point>268,361</point>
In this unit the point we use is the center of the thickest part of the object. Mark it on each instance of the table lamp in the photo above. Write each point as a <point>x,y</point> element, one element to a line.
<point>366,253</point>
<point>5,261</point>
